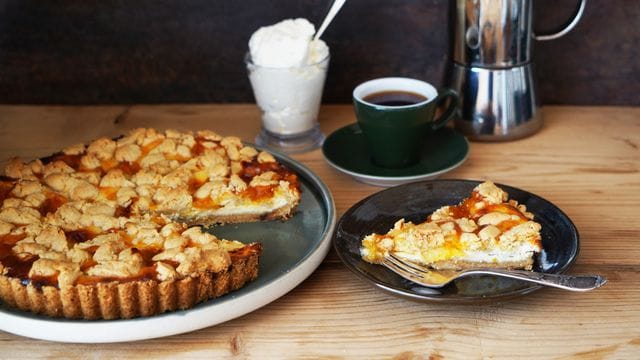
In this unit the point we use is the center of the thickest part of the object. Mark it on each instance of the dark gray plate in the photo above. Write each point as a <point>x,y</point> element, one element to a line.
<point>292,250</point>
<point>414,202</point>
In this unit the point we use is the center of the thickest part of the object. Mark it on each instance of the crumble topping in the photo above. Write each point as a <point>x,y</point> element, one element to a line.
<point>105,211</point>
<point>485,228</point>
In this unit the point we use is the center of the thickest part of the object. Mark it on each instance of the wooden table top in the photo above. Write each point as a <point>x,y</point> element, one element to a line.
<point>586,160</point>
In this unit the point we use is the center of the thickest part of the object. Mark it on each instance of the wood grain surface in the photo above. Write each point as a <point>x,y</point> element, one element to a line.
<point>586,160</point>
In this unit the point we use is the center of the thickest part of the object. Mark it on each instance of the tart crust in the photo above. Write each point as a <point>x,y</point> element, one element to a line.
<point>124,300</point>
<point>115,300</point>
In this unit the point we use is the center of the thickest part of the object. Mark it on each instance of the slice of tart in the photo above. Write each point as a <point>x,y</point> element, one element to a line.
<point>106,231</point>
<point>484,230</point>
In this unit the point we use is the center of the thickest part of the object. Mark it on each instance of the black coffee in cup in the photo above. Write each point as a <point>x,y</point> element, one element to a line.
<point>395,98</point>
<point>396,114</point>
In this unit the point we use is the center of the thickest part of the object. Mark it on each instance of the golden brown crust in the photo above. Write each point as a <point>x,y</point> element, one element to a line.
<point>281,213</point>
<point>116,300</point>
<point>457,265</point>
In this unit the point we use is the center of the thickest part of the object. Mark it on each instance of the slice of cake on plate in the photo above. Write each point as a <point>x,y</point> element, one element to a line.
<point>484,230</point>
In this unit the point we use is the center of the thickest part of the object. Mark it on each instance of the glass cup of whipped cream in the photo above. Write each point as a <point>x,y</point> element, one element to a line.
<point>287,70</point>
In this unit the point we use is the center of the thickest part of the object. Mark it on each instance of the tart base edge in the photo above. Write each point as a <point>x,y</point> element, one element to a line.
<point>114,300</point>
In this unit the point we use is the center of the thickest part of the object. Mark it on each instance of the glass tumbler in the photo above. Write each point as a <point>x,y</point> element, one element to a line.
<point>290,100</point>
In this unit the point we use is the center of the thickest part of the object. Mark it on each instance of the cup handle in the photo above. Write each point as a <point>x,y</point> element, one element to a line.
<point>443,94</point>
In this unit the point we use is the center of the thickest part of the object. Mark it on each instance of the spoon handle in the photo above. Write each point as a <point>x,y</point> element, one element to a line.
<point>566,282</point>
<point>337,5</point>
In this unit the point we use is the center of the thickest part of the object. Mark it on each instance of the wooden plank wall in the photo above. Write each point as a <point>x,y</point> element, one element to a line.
<point>187,51</point>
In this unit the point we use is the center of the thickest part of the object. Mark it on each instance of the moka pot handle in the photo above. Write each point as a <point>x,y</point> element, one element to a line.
<point>567,28</point>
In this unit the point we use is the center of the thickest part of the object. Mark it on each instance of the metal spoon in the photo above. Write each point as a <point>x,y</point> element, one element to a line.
<point>337,5</point>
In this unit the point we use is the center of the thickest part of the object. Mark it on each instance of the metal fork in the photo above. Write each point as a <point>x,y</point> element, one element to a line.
<point>424,276</point>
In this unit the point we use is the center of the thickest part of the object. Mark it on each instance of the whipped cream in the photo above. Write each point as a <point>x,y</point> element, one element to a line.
<point>287,70</point>
<point>288,43</point>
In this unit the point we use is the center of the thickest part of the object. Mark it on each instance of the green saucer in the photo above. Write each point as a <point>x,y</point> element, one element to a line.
<point>345,150</point>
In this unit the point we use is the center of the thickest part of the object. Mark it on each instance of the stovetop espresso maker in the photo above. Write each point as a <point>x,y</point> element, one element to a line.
<point>492,69</point>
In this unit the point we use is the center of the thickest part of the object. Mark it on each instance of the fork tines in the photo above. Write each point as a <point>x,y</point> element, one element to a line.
<point>403,267</point>
<point>408,264</point>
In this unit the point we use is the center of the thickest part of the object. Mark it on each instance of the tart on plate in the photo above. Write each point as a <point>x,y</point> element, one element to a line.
<point>109,230</point>
<point>484,230</point>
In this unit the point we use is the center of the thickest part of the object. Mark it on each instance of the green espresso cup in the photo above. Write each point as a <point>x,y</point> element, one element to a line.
<point>396,116</point>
